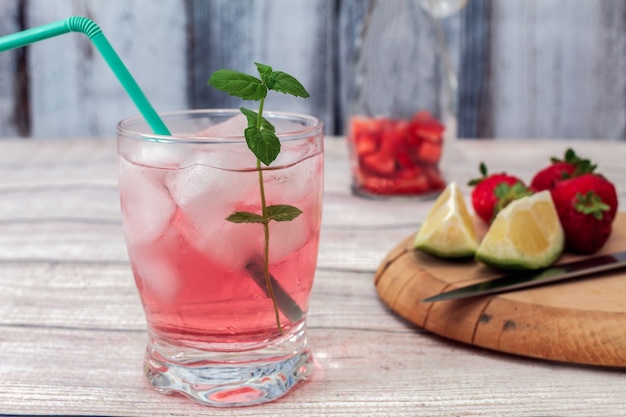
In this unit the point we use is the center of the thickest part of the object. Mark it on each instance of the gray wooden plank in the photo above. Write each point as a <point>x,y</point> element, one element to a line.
<point>350,23</point>
<point>474,94</point>
<point>292,36</point>
<point>14,115</point>
<point>557,69</point>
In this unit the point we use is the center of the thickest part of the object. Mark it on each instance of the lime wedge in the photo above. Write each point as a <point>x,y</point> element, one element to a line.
<point>448,230</point>
<point>526,234</point>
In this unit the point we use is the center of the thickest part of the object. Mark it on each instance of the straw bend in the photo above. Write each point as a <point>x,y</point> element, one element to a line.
<point>84,25</point>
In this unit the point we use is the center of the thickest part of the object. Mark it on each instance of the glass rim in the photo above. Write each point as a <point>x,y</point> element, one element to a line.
<point>312,127</point>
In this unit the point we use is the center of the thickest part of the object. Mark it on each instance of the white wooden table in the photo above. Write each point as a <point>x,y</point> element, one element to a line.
<point>72,331</point>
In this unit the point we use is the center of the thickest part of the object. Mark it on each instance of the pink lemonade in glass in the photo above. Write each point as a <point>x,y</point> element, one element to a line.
<point>212,320</point>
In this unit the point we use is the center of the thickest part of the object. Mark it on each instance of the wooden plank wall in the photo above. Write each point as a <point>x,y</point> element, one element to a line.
<point>526,68</point>
<point>14,119</point>
<point>563,63</point>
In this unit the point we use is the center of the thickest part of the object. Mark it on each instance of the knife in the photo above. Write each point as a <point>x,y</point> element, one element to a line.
<point>525,279</point>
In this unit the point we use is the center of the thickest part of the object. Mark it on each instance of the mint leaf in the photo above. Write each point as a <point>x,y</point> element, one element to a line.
<point>285,83</point>
<point>282,212</point>
<point>263,143</point>
<point>265,71</point>
<point>253,116</point>
<point>245,217</point>
<point>238,84</point>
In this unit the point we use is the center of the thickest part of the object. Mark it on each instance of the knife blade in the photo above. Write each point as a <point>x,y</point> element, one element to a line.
<point>525,279</point>
<point>285,303</point>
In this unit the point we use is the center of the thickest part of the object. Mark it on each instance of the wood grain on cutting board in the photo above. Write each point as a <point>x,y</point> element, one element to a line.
<point>579,321</point>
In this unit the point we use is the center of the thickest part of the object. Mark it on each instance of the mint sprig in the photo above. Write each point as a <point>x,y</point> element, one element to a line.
<point>260,134</point>
<point>262,141</point>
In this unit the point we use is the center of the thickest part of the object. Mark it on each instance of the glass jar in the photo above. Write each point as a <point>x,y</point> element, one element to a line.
<point>402,105</point>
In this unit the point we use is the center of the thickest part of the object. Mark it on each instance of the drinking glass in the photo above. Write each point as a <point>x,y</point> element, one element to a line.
<point>225,302</point>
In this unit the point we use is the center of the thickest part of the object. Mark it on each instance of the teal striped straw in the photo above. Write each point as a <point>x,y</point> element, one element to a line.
<point>94,33</point>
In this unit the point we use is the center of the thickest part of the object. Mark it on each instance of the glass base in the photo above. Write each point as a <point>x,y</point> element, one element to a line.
<point>223,378</point>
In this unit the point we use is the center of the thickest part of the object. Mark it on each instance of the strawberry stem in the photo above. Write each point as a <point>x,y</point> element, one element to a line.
<point>591,203</point>
<point>482,168</point>
<point>581,165</point>
<point>506,194</point>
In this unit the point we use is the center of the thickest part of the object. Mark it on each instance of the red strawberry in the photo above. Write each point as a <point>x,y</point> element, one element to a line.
<point>493,192</point>
<point>586,205</point>
<point>560,169</point>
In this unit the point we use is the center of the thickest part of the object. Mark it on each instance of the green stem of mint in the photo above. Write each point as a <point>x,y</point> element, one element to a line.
<point>262,141</point>
<point>266,230</point>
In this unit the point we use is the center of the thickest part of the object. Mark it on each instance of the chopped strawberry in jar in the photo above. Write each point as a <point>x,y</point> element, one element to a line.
<point>395,156</point>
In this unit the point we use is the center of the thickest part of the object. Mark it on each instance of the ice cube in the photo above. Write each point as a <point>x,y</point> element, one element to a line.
<point>287,237</point>
<point>146,204</point>
<point>159,154</point>
<point>160,278</point>
<point>295,182</point>
<point>234,126</point>
<point>291,154</point>
<point>227,156</point>
<point>207,196</point>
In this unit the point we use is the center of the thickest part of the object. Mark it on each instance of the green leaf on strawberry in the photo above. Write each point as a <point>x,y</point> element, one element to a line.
<point>591,203</point>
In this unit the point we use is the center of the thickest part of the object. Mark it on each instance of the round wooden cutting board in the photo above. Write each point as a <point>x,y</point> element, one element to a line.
<point>579,321</point>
